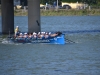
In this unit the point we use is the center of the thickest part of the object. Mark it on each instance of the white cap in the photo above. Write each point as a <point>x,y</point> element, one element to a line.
<point>20,33</point>
<point>25,33</point>
<point>44,32</point>
<point>38,32</point>
<point>16,26</point>
<point>49,33</point>
<point>34,33</point>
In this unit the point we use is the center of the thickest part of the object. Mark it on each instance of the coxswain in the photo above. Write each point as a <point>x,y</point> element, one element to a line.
<point>16,30</point>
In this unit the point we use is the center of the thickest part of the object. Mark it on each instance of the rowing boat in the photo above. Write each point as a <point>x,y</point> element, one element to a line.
<point>53,40</point>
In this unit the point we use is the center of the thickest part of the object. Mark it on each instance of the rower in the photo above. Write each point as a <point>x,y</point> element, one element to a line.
<point>42,35</point>
<point>25,35</point>
<point>20,35</point>
<point>47,35</point>
<point>56,34</point>
<point>16,31</point>
<point>30,35</point>
<point>34,35</point>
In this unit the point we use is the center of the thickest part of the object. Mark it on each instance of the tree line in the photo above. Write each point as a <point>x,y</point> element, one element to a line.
<point>90,2</point>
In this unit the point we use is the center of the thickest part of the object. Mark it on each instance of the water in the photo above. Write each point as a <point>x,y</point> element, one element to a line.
<point>62,23</point>
<point>79,58</point>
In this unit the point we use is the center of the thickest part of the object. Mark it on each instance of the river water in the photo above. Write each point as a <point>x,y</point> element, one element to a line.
<point>80,56</point>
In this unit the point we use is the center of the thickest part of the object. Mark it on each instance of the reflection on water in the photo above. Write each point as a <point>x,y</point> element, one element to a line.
<point>79,58</point>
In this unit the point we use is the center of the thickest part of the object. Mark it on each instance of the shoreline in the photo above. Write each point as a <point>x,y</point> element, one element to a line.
<point>60,12</point>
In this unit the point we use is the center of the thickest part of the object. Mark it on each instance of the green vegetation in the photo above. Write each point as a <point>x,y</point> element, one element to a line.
<point>95,9</point>
<point>20,12</point>
<point>61,12</point>
<point>70,12</point>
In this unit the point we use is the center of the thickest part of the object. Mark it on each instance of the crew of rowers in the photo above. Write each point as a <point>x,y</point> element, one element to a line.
<point>42,35</point>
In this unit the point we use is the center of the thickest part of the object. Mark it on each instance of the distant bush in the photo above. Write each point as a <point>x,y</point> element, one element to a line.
<point>61,12</point>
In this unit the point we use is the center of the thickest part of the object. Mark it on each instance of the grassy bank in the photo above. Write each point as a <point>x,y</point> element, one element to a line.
<point>60,12</point>
<point>70,12</point>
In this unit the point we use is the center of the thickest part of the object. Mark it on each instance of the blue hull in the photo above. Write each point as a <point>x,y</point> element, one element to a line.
<point>54,40</point>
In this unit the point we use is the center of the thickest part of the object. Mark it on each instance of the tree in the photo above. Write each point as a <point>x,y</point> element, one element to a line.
<point>50,2</point>
<point>90,2</point>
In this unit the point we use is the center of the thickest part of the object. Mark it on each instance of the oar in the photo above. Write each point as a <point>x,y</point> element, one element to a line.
<point>38,23</point>
<point>9,34</point>
<point>69,40</point>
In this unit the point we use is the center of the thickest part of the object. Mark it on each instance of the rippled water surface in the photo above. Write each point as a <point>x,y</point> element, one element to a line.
<point>79,56</point>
